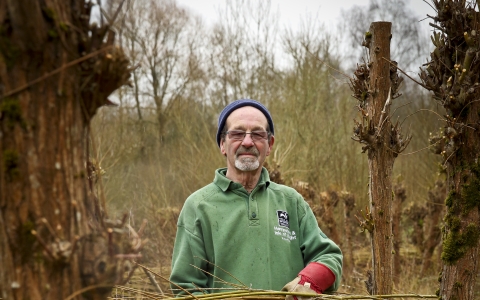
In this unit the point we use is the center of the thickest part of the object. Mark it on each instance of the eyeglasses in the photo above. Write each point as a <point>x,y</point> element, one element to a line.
<point>239,135</point>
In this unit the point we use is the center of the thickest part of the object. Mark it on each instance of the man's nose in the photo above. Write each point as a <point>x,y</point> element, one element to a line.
<point>247,140</point>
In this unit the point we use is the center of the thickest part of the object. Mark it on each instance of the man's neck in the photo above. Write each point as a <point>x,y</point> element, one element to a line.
<point>248,179</point>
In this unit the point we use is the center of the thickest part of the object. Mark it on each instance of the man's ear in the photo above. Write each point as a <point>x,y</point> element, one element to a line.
<point>222,147</point>
<point>270,144</point>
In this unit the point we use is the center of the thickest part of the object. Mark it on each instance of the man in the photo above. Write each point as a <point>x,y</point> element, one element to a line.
<point>244,231</point>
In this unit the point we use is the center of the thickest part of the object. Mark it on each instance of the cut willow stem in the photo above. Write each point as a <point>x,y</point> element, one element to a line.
<point>163,277</point>
<point>249,295</point>
<point>143,293</point>
<point>152,280</point>
<point>275,295</point>
<point>242,284</point>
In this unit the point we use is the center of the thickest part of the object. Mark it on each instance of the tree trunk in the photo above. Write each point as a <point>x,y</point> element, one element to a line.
<point>453,75</point>
<point>436,197</point>
<point>55,71</point>
<point>400,197</point>
<point>461,236</point>
<point>380,161</point>
<point>375,85</point>
<point>347,249</point>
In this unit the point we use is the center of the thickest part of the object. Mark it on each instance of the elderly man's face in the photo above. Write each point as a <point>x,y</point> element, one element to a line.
<point>247,154</point>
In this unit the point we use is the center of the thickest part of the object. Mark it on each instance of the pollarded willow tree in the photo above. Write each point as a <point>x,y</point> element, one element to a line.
<point>375,85</point>
<point>56,69</point>
<point>453,75</point>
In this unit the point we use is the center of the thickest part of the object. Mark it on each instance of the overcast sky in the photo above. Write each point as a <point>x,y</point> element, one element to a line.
<point>292,11</point>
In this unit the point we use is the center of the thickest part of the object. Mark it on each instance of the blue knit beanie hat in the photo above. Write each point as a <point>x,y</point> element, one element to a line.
<point>222,119</point>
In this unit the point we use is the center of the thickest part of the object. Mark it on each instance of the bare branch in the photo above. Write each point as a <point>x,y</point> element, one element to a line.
<point>404,73</point>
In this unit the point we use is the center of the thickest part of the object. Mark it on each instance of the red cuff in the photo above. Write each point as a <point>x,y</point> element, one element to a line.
<point>318,275</point>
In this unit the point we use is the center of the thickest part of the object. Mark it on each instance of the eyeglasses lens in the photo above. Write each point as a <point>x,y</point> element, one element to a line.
<point>239,135</point>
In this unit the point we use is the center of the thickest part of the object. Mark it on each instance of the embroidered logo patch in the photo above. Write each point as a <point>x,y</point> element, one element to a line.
<point>282,218</point>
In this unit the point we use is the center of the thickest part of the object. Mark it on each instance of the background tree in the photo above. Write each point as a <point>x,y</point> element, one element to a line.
<point>56,69</point>
<point>452,75</point>
<point>160,38</point>
<point>405,27</point>
<point>241,56</point>
<point>311,97</point>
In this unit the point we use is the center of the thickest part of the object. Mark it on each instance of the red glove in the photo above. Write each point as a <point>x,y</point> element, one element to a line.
<point>315,278</point>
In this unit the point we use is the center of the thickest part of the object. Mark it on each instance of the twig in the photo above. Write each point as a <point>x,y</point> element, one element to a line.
<point>416,151</point>
<point>115,15</point>
<point>404,73</point>
<point>152,280</point>
<point>460,113</point>
<point>79,292</point>
<point>395,110</point>
<point>149,295</point>
<point>250,295</point>
<point>243,284</point>
<point>220,279</point>
<point>156,274</point>
<point>422,109</point>
<point>68,65</point>
<point>446,160</point>
<point>44,245</point>
<point>99,175</point>
<point>437,27</point>
<point>99,3</point>
<point>328,64</point>
<point>384,111</point>
<point>430,5</point>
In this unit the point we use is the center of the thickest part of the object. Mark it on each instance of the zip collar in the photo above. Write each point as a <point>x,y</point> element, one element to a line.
<point>225,184</point>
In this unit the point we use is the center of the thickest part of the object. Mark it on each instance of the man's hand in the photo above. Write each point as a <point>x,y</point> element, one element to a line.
<point>313,279</point>
<point>295,287</point>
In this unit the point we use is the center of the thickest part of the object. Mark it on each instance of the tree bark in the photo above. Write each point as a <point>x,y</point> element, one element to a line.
<point>453,75</point>
<point>347,249</point>
<point>380,161</point>
<point>461,242</point>
<point>55,71</point>
<point>400,197</point>
<point>375,85</point>
<point>436,197</point>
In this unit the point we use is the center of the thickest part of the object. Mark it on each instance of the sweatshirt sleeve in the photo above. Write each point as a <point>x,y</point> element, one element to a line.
<point>317,247</point>
<point>189,257</point>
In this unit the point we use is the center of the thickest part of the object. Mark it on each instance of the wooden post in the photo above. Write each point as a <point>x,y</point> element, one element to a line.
<point>380,158</point>
<point>375,85</point>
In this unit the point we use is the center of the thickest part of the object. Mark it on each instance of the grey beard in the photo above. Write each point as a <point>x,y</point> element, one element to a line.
<point>247,164</point>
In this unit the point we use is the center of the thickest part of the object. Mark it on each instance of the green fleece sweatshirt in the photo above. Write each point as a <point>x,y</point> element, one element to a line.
<point>227,237</point>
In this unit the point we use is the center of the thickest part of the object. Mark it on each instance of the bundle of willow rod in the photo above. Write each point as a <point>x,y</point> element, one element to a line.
<point>273,295</point>
<point>262,294</point>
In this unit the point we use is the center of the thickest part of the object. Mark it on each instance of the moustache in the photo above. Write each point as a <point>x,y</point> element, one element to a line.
<point>243,150</point>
